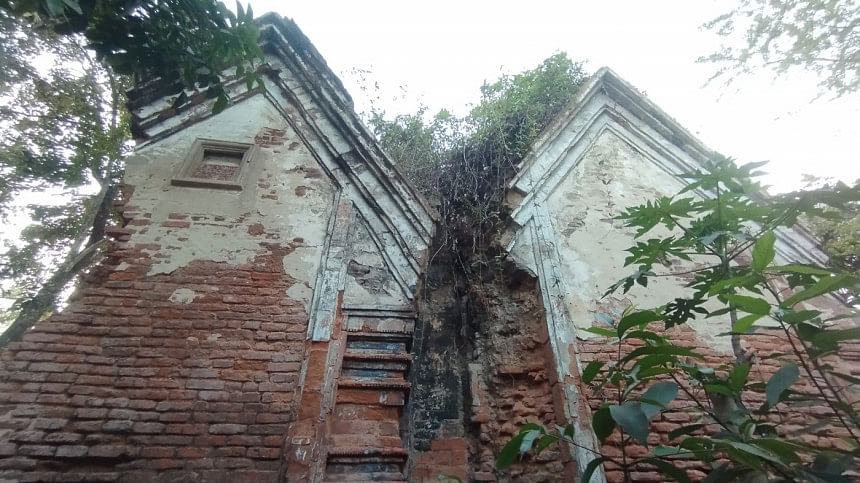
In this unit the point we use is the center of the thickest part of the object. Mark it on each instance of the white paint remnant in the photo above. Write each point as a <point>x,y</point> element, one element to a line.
<point>302,292</point>
<point>219,219</point>
<point>183,296</point>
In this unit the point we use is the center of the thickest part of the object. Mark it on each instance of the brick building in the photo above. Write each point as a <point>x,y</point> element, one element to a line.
<point>268,311</point>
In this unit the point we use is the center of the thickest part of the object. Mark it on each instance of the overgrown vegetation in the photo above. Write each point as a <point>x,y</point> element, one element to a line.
<point>726,236</point>
<point>187,44</point>
<point>65,129</point>
<point>726,227</point>
<point>464,164</point>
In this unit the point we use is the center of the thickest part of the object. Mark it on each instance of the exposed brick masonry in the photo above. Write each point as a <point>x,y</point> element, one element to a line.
<point>190,376</point>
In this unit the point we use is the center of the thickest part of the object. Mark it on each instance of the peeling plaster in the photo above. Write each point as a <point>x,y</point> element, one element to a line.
<point>369,278</point>
<point>182,296</point>
<point>220,220</point>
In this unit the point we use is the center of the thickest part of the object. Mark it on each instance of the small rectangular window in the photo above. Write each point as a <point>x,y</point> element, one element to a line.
<point>216,164</point>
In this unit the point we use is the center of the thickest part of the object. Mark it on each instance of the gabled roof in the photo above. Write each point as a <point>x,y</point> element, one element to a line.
<point>608,102</point>
<point>315,103</point>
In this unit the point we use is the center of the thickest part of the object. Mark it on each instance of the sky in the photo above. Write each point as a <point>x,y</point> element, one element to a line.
<point>439,53</point>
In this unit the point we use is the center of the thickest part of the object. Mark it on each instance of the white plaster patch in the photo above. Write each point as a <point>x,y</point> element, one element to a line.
<point>300,292</point>
<point>610,177</point>
<point>183,296</point>
<point>302,264</point>
<point>287,193</point>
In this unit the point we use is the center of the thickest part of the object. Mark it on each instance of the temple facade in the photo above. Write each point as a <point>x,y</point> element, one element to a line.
<point>271,308</point>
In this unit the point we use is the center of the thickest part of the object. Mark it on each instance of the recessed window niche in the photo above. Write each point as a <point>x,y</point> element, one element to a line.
<point>216,164</point>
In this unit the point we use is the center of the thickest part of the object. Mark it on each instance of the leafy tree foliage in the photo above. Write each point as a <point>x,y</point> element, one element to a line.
<point>822,36</point>
<point>65,128</point>
<point>188,44</point>
<point>728,233</point>
<point>65,131</point>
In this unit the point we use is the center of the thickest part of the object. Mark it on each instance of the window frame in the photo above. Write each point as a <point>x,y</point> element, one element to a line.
<point>195,157</point>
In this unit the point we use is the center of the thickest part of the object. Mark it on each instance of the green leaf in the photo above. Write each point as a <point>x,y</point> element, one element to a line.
<point>666,450</point>
<point>800,316</point>
<point>703,447</point>
<point>545,441</point>
<point>508,454</point>
<point>738,377</point>
<point>719,389</point>
<point>569,431</point>
<point>240,12</point>
<point>750,449</point>
<point>602,423</point>
<point>823,286</point>
<point>846,377</point>
<point>840,317</point>
<point>663,393</point>
<point>829,339</point>
<point>591,370</point>
<point>744,323</point>
<point>664,350</point>
<point>631,418</point>
<point>807,331</point>
<point>637,318</point>
<point>688,429</point>
<point>763,251</point>
<point>786,450</point>
<point>74,5</point>
<point>602,331</point>
<point>54,7</point>
<point>802,269</point>
<point>654,362</point>
<point>752,305</point>
<point>528,440</point>
<point>591,467</point>
<point>779,382</point>
<point>729,283</point>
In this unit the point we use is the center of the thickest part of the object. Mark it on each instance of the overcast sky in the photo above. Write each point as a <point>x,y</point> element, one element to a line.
<point>442,51</point>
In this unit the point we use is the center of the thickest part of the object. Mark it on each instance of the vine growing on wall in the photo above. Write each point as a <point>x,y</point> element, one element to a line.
<point>723,230</point>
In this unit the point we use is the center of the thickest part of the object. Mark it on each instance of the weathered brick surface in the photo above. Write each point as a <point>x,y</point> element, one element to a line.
<point>483,368</point>
<point>513,385</point>
<point>130,383</point>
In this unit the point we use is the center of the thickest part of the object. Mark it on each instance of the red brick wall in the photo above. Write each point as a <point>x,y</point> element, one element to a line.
<point>187,376</point>
<point>127,383</point>
<point>513,383</point>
